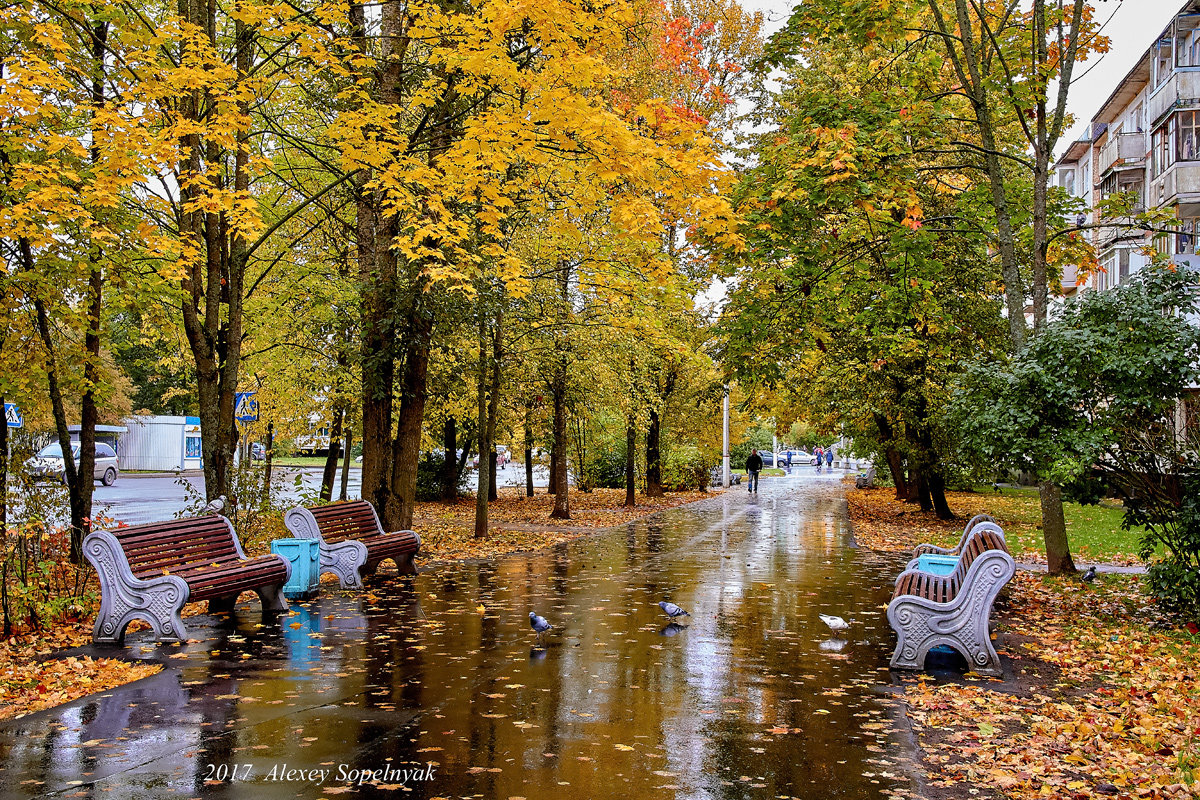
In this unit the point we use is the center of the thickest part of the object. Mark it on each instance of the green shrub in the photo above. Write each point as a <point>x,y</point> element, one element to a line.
<point>429,477</point>
<point>686,467</point>
<point>606,468</point>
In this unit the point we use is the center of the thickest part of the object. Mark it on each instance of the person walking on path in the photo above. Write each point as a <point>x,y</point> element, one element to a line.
<point>820,454</point>
<point>829,458</point>
<point>754,465</point>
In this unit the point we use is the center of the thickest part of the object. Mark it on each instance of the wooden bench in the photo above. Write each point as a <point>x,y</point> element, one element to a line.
<point>352,540</point>
<point>979,522</point>
<point>928,610</point>
<point>149,572</point>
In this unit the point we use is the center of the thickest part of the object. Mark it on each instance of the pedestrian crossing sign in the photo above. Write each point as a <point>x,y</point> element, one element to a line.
<point>245,407</point>
<point>12,415</point>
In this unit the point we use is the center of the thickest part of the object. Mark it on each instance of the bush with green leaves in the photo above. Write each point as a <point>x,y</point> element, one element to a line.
<point>1093,401</point>
<point>606,468</point>
<point>686,467</point>
<point>429,477</point>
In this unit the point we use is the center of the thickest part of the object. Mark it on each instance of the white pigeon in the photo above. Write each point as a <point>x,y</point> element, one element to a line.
<point>836,624</point>
<point>216,506</point>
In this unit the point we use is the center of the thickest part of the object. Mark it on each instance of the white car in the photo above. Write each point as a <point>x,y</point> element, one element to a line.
<point>48,463</point>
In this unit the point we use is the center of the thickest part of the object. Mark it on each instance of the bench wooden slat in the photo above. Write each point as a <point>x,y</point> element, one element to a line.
<point>352,541</point>
<point>150,571</point>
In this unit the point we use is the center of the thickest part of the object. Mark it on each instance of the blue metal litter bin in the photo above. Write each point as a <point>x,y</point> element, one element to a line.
<point>937,564</point>
<point>305,558</point>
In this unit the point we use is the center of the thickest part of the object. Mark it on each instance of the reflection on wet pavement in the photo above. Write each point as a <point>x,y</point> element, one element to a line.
<point>368,694</point>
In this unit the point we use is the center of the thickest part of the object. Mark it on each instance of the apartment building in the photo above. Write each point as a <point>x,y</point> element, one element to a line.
<point>1144,139</point>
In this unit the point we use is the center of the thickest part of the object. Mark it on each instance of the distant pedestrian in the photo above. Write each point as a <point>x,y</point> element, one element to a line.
<point>820,454</point>
<point>829,457</point>
<point>754,465</point>
<point>789,461</point>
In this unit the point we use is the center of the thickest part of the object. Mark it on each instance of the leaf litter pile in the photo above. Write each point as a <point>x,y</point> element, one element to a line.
<point>520,524</point>
<point>31,680</point>
<point>1105,701</point>
<point>881,522</point>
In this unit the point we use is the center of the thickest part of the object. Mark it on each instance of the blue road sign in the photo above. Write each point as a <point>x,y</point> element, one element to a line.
<point>12,415</point>
<point>245,407</point>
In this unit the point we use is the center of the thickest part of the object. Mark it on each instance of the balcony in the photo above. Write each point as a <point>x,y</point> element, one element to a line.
<point>1180,186</point>
<point>1122,151</point>
<point>1180,90</point>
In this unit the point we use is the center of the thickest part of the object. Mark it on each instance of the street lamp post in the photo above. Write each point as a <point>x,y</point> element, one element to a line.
<point>725,441</point>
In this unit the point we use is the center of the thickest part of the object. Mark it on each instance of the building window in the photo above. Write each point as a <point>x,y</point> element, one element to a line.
<point>1188,136</point>
<point>1066,179</point>
<point>191,447</point>
<point>1163,153</point>
<point>1123,258</point>
<point>1163,63</point>
<point>1185,240</point>
<point>1187,45</point>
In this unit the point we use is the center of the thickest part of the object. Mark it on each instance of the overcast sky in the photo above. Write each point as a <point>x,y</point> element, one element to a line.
<point>1131,24</point>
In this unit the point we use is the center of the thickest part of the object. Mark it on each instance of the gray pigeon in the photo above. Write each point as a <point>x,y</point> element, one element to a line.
<point>1090,575</point>
<point>673,611</point>
<point>539,624</point>
<point>216,506</point>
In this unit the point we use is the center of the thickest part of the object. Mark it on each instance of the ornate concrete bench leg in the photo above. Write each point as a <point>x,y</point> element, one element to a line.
<point>124,598</point>
<point>921,624</point>
<point>344,559</point>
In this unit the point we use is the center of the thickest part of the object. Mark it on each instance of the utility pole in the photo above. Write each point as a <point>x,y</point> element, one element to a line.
<point>725,441</point>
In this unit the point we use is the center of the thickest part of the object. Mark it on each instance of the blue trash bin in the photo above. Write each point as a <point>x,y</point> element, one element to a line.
<point>937,564</point>
<point>305,558</point>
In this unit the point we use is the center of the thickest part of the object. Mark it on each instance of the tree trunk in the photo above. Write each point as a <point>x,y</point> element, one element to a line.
<point>3,475</point>
<point>493,410</point>
<point>406,447</point>
<point>268,459</point>
<point>653,460</point>
<point>552,482</point>
<point>377,275</point>
<point>60,423</point>
<point>630,462</point>
<point>937,490</point>
<point>331,456</point>
<point>345,488</point>
<point>1054,529</point>
<point>88,412</point>
<point>528,452</point>
<point>4,606</point>
<point>485,447</point>
<point>450,448</point>
<point>922,484</point>
<point>562,503</point>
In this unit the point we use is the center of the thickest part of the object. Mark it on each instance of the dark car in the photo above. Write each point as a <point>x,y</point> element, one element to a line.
<point>768,458</point>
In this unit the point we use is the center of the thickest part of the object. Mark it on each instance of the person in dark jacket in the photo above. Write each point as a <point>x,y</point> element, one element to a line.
<point>754,465</point>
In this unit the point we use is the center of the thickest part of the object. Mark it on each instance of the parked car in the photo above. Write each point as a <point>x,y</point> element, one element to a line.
<point>258,451</point>
<point>49,464</point>
<point>768,458</point>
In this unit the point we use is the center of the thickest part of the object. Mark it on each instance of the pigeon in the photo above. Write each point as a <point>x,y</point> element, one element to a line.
<point>1090,575</point>
<point>215,506</point>
<point>836,624</point>
<point>673,611</point>
<point>539,624</point>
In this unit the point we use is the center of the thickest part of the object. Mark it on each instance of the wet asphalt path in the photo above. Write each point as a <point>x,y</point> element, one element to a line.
<point>752,698</point>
